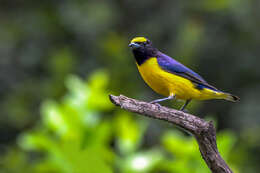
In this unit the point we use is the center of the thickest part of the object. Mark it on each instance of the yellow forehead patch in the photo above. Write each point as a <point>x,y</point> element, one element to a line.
<point>138,39</point>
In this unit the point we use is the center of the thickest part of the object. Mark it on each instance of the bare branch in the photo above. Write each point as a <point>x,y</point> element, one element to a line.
<point>203,131</point>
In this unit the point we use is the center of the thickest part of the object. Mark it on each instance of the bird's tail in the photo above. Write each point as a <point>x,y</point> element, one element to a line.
<point>230,97</point>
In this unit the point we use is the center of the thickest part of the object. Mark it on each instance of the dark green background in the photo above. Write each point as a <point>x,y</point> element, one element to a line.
<point>42,42</point>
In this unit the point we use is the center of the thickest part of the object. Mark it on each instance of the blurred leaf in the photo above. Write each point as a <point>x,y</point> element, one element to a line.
<point>178,144</point>
<point>129,132</point>
<point>99,100</point>
<point>226,141</point>
<point>141,162</point>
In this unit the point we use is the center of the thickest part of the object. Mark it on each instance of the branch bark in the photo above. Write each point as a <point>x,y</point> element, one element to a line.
<point>203,131</point>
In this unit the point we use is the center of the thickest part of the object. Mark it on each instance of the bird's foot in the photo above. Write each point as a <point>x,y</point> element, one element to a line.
<point>158,106</point>
<point>184,110</point>
<point>155,103</point>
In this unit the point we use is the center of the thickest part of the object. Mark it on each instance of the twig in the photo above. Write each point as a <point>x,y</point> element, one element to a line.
<point>203,131</point>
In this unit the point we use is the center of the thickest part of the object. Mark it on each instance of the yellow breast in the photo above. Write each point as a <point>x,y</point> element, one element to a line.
<point>167,84</point>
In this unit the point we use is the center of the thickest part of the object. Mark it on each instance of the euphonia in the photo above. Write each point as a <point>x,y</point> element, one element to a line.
<point>170,78</point>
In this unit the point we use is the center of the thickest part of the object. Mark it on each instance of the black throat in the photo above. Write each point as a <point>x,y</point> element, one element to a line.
<point>143,54</point>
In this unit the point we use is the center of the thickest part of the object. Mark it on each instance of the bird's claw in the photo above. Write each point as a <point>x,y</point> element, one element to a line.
<point>185,111</point>
<point>158,105</point>
<point>155,103</point>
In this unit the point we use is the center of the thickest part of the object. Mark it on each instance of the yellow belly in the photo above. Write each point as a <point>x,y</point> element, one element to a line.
<point>167,84</point>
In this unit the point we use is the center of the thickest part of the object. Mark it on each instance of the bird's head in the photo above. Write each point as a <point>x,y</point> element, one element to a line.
<point>142,49</point>
<point>140,43</point>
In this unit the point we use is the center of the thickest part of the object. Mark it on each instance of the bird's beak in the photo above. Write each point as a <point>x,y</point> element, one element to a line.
<point>134,45</point>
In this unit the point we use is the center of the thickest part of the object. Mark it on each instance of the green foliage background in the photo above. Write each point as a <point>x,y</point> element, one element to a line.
<point>75,135</point>
<point>59,60</point>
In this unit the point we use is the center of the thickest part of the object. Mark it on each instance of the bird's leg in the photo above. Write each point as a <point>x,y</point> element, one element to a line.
<point>185,104</point>
<point>171,97</point>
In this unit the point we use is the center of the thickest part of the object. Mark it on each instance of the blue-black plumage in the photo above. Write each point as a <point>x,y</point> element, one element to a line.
<point>175,67</point>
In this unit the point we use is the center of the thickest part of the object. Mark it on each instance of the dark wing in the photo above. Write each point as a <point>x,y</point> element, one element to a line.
<point>170,65</point>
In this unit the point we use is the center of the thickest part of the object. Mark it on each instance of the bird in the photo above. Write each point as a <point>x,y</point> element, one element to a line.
<point>168,77</point>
